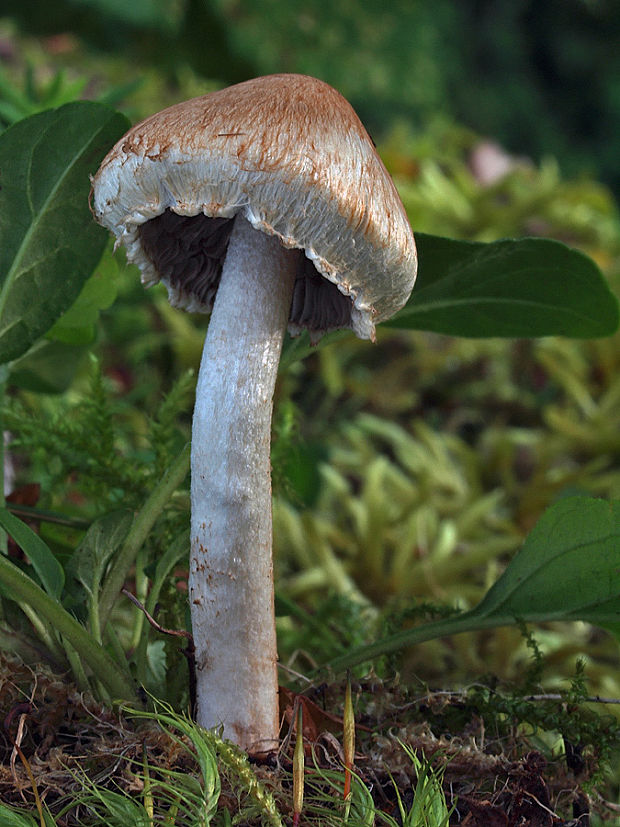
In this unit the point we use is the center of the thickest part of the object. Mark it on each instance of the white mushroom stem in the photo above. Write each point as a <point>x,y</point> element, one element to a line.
<point>231,570</point>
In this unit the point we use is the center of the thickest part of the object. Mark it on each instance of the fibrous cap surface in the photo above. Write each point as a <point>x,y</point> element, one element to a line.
<point>288,153</point>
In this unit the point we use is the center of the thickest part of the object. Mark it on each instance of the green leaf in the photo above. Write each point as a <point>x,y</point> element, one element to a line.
<point>48,367</point>
<point>142,524</point>
<point>515,288</point>
<point>567,569</point>
<point>176,552</point>
<point>202,741</point>
<point>49,242</point>
<point>13,818</point>
<point>77,325</point>
<point>24,590</point>
<point>102,539</point>
<point>47,567</point>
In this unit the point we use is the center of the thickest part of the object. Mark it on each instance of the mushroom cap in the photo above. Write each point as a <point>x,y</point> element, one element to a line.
<point>290,155</point>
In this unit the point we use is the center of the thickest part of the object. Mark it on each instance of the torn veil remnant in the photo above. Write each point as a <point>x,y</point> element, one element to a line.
<point>267,203</point>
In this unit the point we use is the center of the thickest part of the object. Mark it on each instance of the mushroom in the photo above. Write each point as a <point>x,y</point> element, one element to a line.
<point>267,204</point>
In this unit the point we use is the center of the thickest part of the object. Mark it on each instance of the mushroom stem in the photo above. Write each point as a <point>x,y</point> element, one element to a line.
<point>231,569</point>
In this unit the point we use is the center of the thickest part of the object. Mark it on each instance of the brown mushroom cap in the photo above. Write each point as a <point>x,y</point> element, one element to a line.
<point>288,153</point>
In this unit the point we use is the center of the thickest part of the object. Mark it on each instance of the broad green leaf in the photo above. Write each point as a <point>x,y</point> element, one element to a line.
<point>77,325</point>
<point>567,569</point>
<point>49,242</point>
<point>515,288</point>
<point>47,567</point>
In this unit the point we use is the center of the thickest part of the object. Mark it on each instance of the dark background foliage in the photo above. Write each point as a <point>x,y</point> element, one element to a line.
<point>541,77</point>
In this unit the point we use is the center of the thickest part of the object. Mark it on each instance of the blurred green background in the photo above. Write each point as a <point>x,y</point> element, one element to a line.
<point>541,77</point>
<point>412,470</point>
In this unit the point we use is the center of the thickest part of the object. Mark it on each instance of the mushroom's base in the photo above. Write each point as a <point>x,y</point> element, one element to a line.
<point>231,571</point>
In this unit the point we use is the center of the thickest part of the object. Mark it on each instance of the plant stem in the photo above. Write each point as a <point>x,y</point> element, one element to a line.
<point>4,375</point>
<point>142,586</point>
<point>22,588</point>
<point>77,667</point>
<point>231,570</point>
<point>114,645</point>
<point>139,531</point>
<point>470,621</point>
<point>45,630</point>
